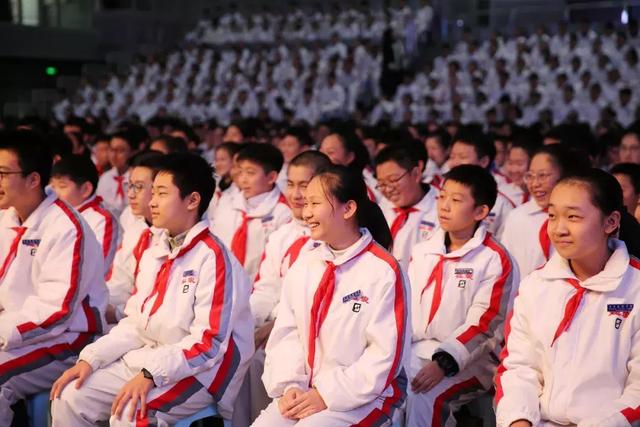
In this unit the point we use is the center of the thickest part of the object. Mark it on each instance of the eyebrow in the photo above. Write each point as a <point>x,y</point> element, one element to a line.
<point>160,187</point>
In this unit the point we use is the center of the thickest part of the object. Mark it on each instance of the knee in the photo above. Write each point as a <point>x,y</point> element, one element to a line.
<point>71,401</point>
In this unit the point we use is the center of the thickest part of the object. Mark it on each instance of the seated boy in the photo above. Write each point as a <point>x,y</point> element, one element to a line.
<point>411,211</point>
<point>245,220</point>
<point>283,248</point>
<point>52,293</point>
<point>136,237</point>
<point>188,333</point>
<point>472,148</point>
<point>460,291</point>
<point>628,176</point>
<point>74,179</point>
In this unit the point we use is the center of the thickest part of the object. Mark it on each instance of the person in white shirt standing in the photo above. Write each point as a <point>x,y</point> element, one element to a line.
<point>578,363</point>
<point>52,293</point>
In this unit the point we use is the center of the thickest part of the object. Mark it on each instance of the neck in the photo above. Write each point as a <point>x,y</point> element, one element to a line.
<point>415,196</point>
<point>592,264</point>
<point>186,226</point>
<point>28,205</point>
<point>458,238</point>
<point>345,239</point>
<point>122,170</point>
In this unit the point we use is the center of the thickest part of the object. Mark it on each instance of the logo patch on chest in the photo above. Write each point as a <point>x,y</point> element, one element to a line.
<point>188,279</point>
<point>355,296</point>
<point>621,311</point>
<point>33,244</point>
<point>464,273</point>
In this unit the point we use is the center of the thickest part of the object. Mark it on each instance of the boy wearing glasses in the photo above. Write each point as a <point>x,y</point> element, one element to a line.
<point>52,293</point>
<point>411,207</point>
<point>137,232</point>
<point>74,179</point>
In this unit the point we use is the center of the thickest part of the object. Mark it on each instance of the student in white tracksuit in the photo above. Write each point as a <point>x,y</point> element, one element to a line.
<point>52,293</point>
<point>525,231</point>
<point>471,149</point>
<point>337,351</point>
<point>461,282</point>
<point>246,219</point>
<point>284,247</point>
<point>74,179</point>
<point>137,232</point>
<point>409,206</point>
<point>572,353</point>
<point>225,166</point>
<point>188,334</point>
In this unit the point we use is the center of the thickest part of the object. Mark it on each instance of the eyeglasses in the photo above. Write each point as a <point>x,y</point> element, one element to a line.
<point>135,187</point>
<point>530,177</point>
<point>5,174</point>
<point>390,183</point>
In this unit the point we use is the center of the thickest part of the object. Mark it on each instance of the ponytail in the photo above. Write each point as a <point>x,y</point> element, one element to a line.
<point>344,184</point>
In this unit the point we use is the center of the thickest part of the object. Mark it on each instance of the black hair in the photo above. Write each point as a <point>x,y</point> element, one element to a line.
<point>311,159</point>
<point>478,140</point>
<point>230,147</point>
<point>479,180</point>
<point>352,144</point>
<point>631,170</point>
<point>60,144</point>
<point>605,191</point>
<point>77,168</point>
<point>131,138</point>
<point>300,133</point>
<point>150,159</point>
<point>33,153</point>
<point>442,136</point>
<point>346,184</point>
<point>265,155</point>
<point>191,174</point>
<point>174,144</point>
<point>568,161</point>
<point>401,154</point>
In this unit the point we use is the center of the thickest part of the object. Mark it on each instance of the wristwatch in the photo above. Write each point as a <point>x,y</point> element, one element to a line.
<point>148,376</point>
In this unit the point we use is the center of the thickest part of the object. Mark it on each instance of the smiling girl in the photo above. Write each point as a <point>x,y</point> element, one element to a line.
<point>335,355</point>
<point>579,363</point>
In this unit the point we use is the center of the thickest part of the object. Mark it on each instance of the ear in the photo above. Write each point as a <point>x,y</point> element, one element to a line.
<point>193,201</point>
<point>86,189</point>
<point>33,180</point>
<point>272,177</point>
<point>416,173</point>
<point>612,222</point>
<point>421,166</point>
<point>350,209</point>
<point>480,212</point>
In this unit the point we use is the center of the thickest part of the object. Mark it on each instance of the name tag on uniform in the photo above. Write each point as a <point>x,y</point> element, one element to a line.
<point>188,279</point>
<point>33,244</point>
<point>622,310</point>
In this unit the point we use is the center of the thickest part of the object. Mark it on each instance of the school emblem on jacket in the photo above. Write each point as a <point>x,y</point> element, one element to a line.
<point>188,279</point>
<point>359,299</point>
<point>33,244</point>
<point>425,228</point>
<point>621,311</point>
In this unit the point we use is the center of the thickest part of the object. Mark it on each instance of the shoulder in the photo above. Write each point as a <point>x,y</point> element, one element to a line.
<point>64,218</point>
<point>379,261</point>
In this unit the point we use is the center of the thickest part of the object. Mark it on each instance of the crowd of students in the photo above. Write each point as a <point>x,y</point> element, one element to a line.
<point>324,277</point>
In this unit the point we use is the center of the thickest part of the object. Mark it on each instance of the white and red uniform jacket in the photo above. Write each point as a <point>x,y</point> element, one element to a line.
<point>244,225</point>
<point>342,327</point>
<point>188,316</point>
<point>51,276</point>
<point>460,298</point>
<point>524,234</point>
<point>104,226</point>
<point>220,195</point>
<point>510,190</point>
<point>284,247</point>
<point>112,187</point>
<point>135,240</point>
<point>371,182</point>
<point>572,354</point>
<point>498,214</point>
<point>412,225</point>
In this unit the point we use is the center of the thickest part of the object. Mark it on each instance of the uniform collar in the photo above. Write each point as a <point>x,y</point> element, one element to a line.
<point>352,251</point>
<point>87,202</point>
<point>531,207</point>
<point>160,247</point>
<point>265,202</point>
<point>606,281</point>
<point>11,219</point>
<point>435,245</point>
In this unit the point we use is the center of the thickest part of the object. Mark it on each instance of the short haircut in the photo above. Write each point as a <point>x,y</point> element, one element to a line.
<point>33,153</point>
<point>476,139</point>
<point>174,144</point>
<point>265,155</point>
<point>401,154</point>
<point>311,159</point>
<point>479,180</point>
<point>77,168</point>
<point>191,174</point>
<point>442,136</point>
<point>132,139</point>
<point>149,159</point>
<point>230,147</point>
<point>60,144</point>
<point>300,133</point>
<point>631,170</point>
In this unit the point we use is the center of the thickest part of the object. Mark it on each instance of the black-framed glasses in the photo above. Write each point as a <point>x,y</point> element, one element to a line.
<point>4,174</point>
<point>390,183</point>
